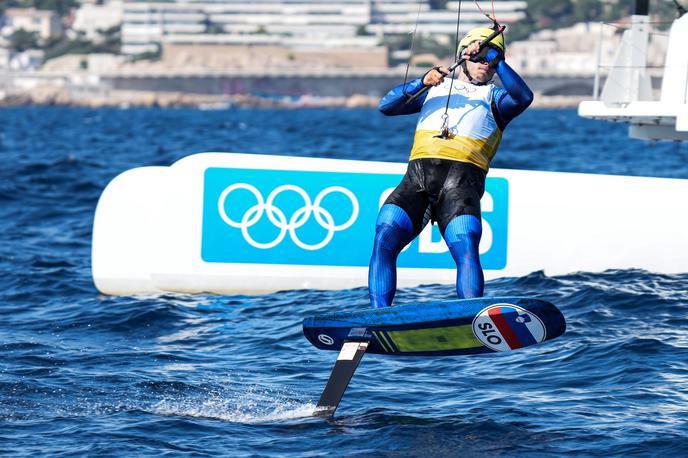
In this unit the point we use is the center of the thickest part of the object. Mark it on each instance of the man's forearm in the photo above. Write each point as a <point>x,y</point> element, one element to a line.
<point>519,96</point>
<point>514,84</point>
<point>394,103</point>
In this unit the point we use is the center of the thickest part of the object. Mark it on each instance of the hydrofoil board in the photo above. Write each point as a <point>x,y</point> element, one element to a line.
<point>459,327</point>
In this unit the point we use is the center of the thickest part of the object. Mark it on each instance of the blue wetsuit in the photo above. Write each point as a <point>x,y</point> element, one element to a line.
<point>510,102</point>
<point>456,207</point>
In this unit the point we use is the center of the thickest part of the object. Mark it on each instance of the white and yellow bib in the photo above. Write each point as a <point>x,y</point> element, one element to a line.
<point>473,133</point>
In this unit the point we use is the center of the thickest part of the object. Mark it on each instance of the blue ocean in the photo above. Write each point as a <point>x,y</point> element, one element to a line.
<point>83,374</point>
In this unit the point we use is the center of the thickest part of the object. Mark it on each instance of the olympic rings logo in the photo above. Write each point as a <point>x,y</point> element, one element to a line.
<point>277,217</point>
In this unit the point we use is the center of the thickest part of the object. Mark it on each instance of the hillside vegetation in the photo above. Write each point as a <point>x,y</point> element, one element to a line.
<point>554,14</point>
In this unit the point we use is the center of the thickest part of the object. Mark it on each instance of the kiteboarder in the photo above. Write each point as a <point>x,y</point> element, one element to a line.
<point>459,130</point>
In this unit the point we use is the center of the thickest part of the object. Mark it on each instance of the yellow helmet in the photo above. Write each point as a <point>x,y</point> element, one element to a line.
<point>480,34</point>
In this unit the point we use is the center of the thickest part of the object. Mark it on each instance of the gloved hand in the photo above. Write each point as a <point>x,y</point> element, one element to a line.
<point>493,56</point>
<point>435,76</point>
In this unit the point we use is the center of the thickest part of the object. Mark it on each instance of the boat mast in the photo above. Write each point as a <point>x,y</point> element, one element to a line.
<point>642,7</point>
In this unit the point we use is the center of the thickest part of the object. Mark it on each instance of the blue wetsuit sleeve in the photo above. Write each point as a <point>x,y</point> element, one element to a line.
<point>516,96</point>
<point>394,103</point>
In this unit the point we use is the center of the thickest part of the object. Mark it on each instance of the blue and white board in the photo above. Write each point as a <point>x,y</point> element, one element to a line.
<point>459,327</point>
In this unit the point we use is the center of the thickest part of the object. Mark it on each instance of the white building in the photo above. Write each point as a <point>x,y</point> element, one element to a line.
<point>91,18</point>
<point>574,51</point>
<point>396,17</point>
<point>315,23</point>
<point>20,61</point>
<point>46,24</point>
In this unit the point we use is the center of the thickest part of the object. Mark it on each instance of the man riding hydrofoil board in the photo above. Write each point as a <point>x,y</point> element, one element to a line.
<point>458,133</point>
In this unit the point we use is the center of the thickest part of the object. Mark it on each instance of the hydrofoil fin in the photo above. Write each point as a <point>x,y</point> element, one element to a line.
<point>349,357</point>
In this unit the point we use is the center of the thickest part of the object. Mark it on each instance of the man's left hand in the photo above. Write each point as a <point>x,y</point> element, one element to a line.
<point>470,50</point>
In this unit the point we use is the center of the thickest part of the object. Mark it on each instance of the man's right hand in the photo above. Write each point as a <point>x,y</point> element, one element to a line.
<point>435,76</point>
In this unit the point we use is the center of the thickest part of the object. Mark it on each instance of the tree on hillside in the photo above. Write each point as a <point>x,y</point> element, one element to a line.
<point>545,14</point>
<point>588,10</point>
<point>438,4</point>
<point>21,40</point>
<point>61,7</point>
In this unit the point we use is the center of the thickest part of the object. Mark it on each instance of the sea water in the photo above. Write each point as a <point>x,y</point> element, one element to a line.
<point>203,375</point>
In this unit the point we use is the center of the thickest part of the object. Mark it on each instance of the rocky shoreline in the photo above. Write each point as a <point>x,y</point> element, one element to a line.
<point>55,96</point>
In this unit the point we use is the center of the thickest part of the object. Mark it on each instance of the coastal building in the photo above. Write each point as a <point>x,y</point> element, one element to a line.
<point>398,17</point>
<point>192,57</point>
<point>93,18</point>
<point>28,60</point>
<point>576,50</point>
<point>46,24</point>
<point>147,26</point>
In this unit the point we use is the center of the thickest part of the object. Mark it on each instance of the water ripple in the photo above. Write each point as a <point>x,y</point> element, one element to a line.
<point>200,375</point>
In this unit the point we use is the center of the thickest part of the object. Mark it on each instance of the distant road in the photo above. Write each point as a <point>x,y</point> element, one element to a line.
<point>322,83</point>
<point>319,83</point>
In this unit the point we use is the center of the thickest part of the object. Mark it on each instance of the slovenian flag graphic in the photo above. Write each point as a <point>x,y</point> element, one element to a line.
<point>514,330</point>
<point>515,326</point>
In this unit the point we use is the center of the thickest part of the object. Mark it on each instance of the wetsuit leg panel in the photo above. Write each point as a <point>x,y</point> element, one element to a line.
<point>462,235</point>
<point>460,223</point>
<point>393,231</point>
